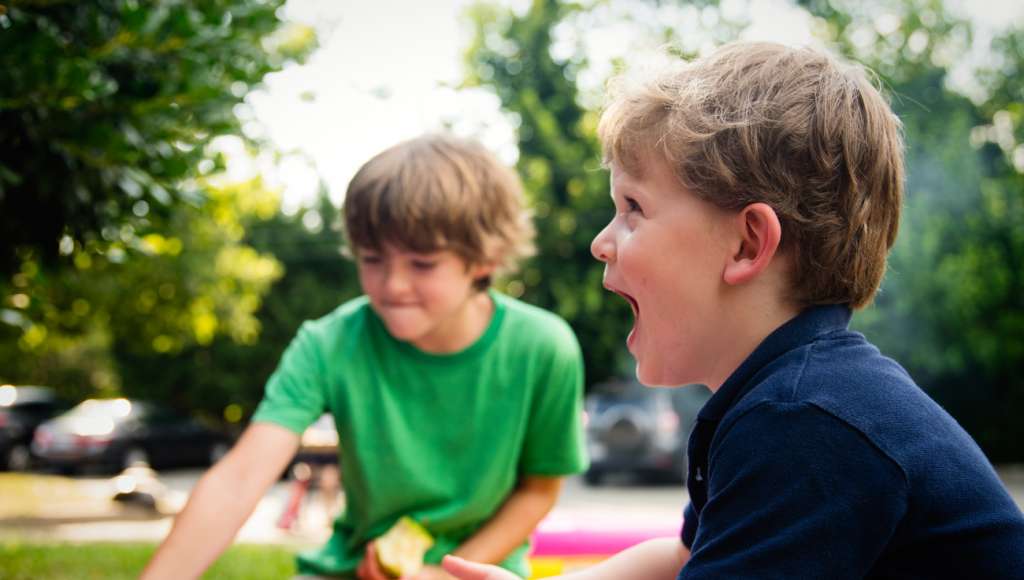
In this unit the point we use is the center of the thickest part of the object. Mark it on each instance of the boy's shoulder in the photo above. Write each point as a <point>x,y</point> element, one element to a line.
<point>533,323</point>
<point>346,319</point>
<point>842,375</point>
<point>840,372</point>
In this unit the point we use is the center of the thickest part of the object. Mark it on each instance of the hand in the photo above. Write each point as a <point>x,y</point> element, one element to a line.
<point>430,572</point>
<point>369,568</point>
<point>466,570</point>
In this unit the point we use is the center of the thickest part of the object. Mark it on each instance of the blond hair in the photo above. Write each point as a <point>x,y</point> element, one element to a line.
<point>791,127</point>
<point>438,192</point>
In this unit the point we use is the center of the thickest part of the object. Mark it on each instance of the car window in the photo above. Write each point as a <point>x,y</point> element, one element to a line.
<point>37,411</point>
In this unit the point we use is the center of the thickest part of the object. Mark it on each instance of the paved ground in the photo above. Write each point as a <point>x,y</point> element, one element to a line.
<point>97,518</point>
<point>619,504</point>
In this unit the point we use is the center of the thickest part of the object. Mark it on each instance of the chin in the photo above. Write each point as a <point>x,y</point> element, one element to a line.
<point>661,377</point>
<point>647,377</point>
<point>405,333</point>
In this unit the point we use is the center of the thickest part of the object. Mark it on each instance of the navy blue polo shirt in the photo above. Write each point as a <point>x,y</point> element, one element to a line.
<point>820,458</point>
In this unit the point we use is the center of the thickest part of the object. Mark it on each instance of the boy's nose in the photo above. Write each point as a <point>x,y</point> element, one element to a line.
<point>395,282</point>
<point>603,248</point>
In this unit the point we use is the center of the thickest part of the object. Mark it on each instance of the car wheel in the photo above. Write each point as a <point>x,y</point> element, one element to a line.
<point>134,457</point>
<point>19,459</point>
<point>218,451</point>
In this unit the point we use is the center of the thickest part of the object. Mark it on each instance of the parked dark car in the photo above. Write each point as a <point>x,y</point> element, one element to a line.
<point>640,430</point>
<point>22,409</point>
<point>117,433</point>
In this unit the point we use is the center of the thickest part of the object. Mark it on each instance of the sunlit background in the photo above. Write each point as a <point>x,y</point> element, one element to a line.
<point>390,70</point>
<point>171,172</point>
<point>170,175</point>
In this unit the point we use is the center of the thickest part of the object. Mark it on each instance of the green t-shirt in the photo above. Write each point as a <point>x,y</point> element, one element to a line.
<point>440,438</point>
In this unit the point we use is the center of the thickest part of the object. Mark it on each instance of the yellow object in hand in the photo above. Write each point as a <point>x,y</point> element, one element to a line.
<point>401,549</point>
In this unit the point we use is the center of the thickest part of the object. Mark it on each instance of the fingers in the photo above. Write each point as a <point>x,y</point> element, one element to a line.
<point>466,570</point>
<point>369,569</point>
<point>429,572</point>
<point>361,572</point>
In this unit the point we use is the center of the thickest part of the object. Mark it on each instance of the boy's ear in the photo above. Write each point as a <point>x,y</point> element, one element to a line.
<point>482,270</point>
<point>759,234</point>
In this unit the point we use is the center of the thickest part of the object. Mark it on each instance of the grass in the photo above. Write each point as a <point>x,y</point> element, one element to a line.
<point>110,561</point>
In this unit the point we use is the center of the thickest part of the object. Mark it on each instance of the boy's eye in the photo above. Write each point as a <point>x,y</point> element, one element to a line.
<point>423,265</point>
<point>632,205</point>
<point>369,259</point>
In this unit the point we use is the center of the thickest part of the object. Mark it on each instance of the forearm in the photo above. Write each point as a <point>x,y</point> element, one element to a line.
<point>514,521</point>
<point>661,558</point>
<point>221,502</point>
<point>197,539</point>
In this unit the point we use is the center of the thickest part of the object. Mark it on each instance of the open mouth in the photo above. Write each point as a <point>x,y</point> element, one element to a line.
<point>632,302</point>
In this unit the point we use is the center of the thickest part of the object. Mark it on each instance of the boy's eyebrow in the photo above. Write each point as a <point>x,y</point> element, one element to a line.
<point>419,254</point>
<point>628,188</point>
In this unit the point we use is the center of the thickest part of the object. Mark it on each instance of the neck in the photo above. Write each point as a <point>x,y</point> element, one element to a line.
<point>463,329</point>
<point>753,320</point>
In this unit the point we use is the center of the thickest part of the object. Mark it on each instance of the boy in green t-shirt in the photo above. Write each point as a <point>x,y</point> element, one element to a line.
<point>456,406</point>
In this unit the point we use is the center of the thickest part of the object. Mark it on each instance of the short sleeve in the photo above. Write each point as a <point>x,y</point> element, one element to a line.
<point>554,442</point>
<point>294,395</point>
<point>794,492</point>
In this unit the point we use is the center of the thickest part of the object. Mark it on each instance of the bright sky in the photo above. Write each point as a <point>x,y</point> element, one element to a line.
<point>388,70</point>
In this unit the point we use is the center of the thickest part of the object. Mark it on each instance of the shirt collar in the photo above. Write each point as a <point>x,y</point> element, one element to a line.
<point>798,331</point>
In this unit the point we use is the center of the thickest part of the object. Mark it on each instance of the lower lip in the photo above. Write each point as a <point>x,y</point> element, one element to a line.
<point>398,312</point>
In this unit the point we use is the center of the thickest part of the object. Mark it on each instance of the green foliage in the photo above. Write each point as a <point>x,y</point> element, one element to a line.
<point>106,108</point>
<point>559,161</point>
<point>120,239</point>
<point>159,293</point>
<point>126,266</point>
<point>952,305</point>
<point>110,561</point>
<point>224,379</point>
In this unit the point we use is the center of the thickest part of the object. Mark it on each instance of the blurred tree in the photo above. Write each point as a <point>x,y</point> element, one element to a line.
<point>119,235</point>
<point>106,108</point>
<point>559,161</point>
<point>156,293</point>
<point>952,305</point>
<point>225,378</point>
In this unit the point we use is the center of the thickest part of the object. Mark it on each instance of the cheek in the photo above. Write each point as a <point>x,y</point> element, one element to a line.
<point>432,289</point>
<point>369,280</point>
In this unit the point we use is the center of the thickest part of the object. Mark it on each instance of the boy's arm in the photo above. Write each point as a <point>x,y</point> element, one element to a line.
<point>222,501</point>
<point>658,559</point>
<point>517,517</point>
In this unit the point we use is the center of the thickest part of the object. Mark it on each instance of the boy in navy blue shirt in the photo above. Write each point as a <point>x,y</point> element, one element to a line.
<point>757,194</point>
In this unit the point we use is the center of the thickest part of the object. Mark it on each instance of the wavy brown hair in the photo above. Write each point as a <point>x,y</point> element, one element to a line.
<point>791,127</point>
<point>438,192</point>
